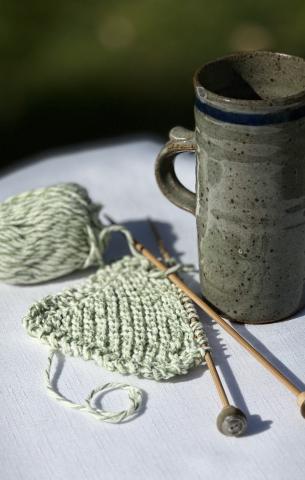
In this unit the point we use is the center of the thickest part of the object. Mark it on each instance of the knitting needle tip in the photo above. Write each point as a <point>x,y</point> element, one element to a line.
<point>109,219</point>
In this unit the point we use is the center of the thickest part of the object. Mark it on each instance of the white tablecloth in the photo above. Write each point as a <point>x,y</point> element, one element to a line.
<point>175,437</point>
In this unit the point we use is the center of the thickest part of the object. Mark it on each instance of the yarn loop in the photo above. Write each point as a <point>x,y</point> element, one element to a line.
<point>134,395</point>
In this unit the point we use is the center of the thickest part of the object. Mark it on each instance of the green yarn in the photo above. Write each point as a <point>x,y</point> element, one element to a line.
<point>127,317</point>
<point>134,394</point>
<point>47,233</point>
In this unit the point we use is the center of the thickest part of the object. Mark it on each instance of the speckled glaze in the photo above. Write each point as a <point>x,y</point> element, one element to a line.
<point>250,184</point>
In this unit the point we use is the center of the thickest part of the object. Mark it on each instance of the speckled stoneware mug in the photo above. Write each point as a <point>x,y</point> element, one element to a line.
<point>250,183</point>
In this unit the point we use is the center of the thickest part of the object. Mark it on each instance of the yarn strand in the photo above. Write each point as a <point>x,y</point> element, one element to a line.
<point>134,394</point>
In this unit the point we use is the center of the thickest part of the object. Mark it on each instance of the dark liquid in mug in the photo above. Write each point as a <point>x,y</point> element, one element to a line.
<point>238,88</point>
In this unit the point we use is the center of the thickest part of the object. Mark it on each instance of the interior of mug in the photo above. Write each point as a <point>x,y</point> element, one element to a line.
<point>255,76</point>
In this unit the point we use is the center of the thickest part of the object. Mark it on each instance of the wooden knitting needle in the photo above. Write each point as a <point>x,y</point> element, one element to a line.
<point>229,415</point>
<point>300,396</point>
<point>231,421</point>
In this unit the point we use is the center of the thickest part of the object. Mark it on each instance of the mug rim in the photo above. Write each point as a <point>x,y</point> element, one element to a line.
<point>287,100</point>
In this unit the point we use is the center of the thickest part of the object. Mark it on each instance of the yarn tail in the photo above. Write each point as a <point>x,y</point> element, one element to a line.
<point>134,394</point>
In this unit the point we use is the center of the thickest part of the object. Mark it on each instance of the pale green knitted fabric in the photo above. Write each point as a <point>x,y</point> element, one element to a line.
<point>127,317</point>
<point>47,233</point>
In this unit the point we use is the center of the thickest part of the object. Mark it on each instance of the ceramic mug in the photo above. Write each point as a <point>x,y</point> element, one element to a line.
<point>250,183</point>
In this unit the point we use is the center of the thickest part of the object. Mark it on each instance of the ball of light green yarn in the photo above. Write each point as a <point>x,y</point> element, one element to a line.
<point>47,233</point>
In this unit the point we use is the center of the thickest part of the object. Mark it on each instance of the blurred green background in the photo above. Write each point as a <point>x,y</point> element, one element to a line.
<point>75,71</point>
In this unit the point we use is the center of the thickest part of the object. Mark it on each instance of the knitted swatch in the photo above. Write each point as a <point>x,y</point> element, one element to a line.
<point>47,233</point>
<point>129,318</point>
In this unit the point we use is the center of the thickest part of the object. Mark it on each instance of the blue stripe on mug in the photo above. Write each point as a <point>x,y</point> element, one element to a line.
<point>252,119</point>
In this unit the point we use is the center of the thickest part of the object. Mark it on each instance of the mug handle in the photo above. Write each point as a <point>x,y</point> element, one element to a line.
<point>181,140</point>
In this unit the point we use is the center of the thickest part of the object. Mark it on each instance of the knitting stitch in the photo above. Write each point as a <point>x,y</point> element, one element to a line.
<point>128,317</point>
<point>47,233</point>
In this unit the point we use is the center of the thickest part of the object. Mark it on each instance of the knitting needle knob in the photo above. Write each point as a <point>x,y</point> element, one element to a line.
<point>301,403</point>
<point>231,421</point>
